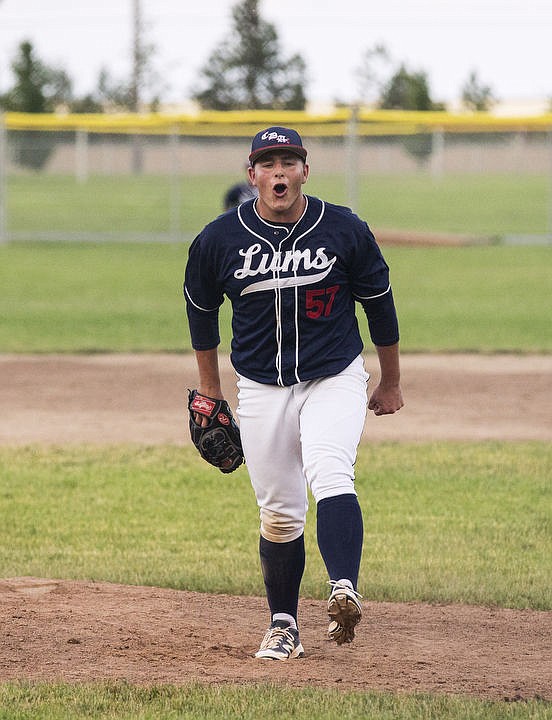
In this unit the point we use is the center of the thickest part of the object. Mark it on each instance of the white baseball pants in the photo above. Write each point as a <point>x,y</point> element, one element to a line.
<point>298,437</point>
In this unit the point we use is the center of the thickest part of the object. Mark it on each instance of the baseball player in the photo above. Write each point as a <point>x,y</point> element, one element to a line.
<point>293,267</point>
<point>239,193</point>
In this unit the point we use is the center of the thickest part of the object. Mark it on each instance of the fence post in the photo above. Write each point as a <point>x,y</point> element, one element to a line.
<point>174,220</point>
<point>137,153</point>
<point>81,155</point>
<point>437,153</point>
<point>352,159</point>
<point>3,181</point>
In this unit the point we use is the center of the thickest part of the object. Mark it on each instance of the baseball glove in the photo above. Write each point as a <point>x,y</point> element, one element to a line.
<point>219,441</point>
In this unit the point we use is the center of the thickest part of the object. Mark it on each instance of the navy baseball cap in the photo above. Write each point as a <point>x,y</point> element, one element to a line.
<point>276,138</point>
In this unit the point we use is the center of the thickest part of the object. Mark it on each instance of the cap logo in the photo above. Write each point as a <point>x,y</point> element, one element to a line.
<point>274,136</point>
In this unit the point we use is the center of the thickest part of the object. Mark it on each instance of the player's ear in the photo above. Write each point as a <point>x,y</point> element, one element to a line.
<point>306,170</point>
<point>251,174</point>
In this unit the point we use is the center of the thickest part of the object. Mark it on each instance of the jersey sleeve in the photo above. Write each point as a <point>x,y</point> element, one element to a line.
<point>372,288</point>
<point>203,295</point>
<point>382,319</point>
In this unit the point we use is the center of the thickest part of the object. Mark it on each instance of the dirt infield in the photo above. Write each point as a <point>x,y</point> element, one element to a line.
<point>141,398</point>
<point>83,631</point>
<point>79,632</point>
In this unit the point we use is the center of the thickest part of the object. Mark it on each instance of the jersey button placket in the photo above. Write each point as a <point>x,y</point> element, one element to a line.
<point>288,335</point>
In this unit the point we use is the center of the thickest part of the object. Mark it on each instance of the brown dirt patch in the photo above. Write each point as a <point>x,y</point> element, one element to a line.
<point>142,398</point>
<point>84,631</point>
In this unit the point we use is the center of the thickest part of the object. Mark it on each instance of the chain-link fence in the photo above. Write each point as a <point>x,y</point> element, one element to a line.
<point>82,183</point>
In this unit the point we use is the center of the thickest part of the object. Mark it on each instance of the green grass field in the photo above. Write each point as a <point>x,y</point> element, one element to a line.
<point>486,205</point>
<point>475,517</point>
<point>92,297</point>
<point>120,701</point>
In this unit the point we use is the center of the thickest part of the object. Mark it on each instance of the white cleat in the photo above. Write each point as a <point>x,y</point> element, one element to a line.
<point>345,612</point>
<point>281,642</point>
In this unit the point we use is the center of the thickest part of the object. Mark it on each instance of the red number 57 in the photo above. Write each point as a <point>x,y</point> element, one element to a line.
<point>320,302</point>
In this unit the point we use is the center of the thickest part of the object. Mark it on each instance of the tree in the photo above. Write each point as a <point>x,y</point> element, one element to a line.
<point>406,91</point>
<point>129,94</point>
<point>476,96</point>
<point>246,70</point>
<point>369,73</point>
<point>38,87</point>
<point>88,103</point>
<point>410,91</point>
<point>115,94</point>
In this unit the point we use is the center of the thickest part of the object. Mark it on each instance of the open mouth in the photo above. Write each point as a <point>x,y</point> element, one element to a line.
<point>280,189</point>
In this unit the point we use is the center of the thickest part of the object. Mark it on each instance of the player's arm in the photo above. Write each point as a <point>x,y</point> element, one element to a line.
<point>384,332</point>
<point>387,397</point>
<point>372,288</point>
<point>203,299</point>
<point>204,296</point>
<point>209,378</point>
<point>209,375</point>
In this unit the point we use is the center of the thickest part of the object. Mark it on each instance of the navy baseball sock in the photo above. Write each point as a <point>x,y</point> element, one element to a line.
<point>340,534</point>
<point>282,565</point>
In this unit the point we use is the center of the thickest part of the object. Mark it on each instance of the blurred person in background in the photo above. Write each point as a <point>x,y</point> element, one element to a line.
<point>240,192</point>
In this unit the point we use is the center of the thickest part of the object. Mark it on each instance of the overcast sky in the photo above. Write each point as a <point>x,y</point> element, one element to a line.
<point>507,42</point>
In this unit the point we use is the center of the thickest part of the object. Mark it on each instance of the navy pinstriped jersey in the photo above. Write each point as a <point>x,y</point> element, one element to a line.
<point>293,291</point>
